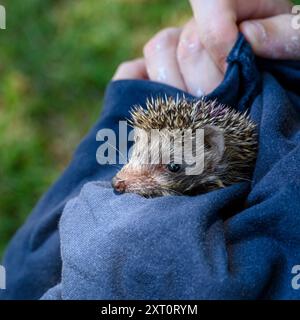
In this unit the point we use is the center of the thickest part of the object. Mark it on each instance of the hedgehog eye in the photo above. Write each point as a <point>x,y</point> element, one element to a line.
<point>173,167</point>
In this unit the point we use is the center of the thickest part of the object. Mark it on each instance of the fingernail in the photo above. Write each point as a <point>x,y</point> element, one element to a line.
<point>254,32</point>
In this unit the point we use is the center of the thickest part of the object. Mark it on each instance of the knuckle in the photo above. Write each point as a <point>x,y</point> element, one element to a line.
<point>168,35</point>
<point>189,46</point>
<point>211,37</point>
<point>124,66</point>
<point>148,48</point>
<point>164,39</point>
<point>217,45</point>
<point>183,52</point>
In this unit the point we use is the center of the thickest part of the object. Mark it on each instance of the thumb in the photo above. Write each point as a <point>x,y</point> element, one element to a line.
<point>275,38</point>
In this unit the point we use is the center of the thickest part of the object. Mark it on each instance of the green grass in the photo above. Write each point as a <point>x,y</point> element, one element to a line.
<point>56,58</point>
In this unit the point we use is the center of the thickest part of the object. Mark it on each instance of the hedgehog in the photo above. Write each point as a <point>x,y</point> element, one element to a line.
<point>228,145</point>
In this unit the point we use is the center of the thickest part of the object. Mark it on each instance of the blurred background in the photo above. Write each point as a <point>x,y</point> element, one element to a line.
<point>56,58</point>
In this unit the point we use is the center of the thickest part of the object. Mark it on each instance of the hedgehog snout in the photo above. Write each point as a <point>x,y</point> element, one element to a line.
<point>118,184</point>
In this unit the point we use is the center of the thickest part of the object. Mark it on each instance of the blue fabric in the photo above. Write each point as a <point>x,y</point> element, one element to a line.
<point>239,242</point>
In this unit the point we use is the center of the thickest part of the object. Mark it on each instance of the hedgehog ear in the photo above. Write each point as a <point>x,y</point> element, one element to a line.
<point>214,139</point>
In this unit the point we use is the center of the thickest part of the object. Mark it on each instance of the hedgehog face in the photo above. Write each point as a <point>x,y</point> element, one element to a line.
<point>156,168</point>
<point>229,148</point>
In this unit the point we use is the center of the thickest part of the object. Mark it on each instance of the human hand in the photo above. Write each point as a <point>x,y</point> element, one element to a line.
<point>266,24</point>
<point>175,57</point>
<point>194,58</point>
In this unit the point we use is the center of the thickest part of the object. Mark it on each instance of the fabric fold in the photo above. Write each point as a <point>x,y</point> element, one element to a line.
<point>240,242</point>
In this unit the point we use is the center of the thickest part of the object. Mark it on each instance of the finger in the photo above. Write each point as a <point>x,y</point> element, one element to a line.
<point>200,73</point>
<point>260,8</point>
<point>273,37</point>
<point>161,60</point>
<point>134,69</point>
<point>217,22</point>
